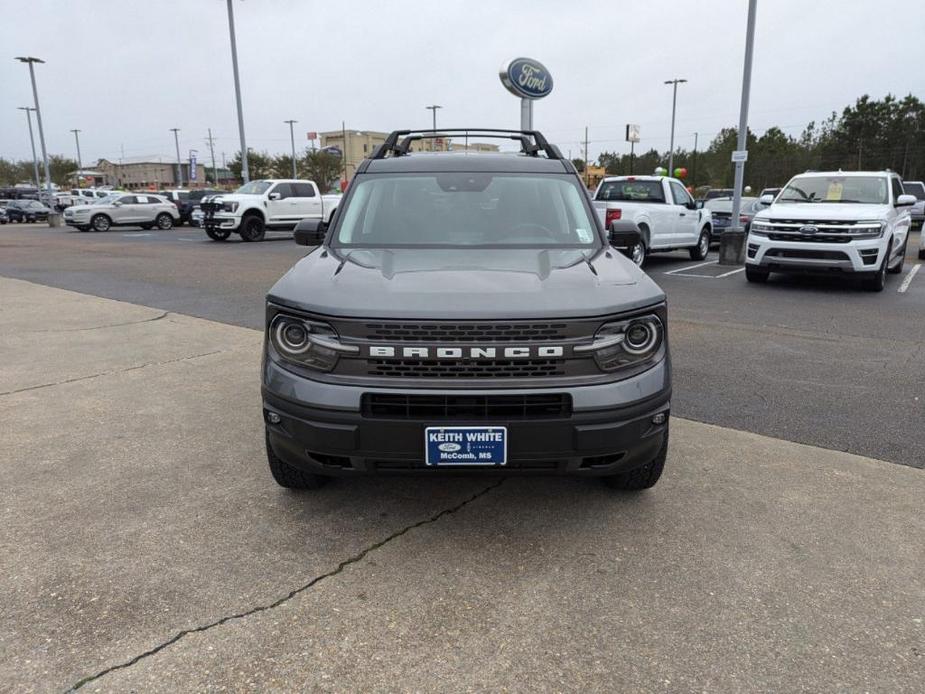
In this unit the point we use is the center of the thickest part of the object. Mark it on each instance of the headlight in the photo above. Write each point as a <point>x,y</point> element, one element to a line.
<point>307,343</point>
<point>760,227</point>
<point>229,206</point>
<point>866,230</point>
<point>626,343</point>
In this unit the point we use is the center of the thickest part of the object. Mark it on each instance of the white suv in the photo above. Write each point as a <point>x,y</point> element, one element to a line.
<point>123,209</point>
<point>837,221</point>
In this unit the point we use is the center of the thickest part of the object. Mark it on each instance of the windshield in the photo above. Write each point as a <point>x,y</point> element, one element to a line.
<point>467,210</point>
<point>631,190</point>
<point>254,188</point>
<point>871,190</point>
<point>916,189</point>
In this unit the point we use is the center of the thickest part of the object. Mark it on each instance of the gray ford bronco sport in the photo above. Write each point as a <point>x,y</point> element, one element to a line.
<point>466,312</point>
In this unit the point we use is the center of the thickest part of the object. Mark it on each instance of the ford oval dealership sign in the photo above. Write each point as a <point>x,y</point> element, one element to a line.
<point>526,78</point>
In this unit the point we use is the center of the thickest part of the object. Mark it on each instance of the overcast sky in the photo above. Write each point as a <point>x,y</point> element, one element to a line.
<point>126,71</point>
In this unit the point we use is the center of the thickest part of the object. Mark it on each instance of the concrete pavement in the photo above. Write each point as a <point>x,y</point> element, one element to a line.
<point>146,548</point>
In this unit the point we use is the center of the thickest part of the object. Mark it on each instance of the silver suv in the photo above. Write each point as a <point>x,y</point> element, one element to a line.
<point>123,209</point>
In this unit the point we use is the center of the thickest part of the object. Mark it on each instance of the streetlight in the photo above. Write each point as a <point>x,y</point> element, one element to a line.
<point>79,164</point>
<point>674,105</point>
<point>245,174</point>
<point>176,141</point>
<point>732,247</point>
<point>38,117</point>
<point>433,109</point>
<point>35,162</point>
<point>292,139</point>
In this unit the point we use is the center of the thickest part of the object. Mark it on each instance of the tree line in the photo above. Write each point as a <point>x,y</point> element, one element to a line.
<point>869,135</point>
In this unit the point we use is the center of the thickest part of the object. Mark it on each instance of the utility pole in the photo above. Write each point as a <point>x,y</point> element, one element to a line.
<point>694,165</point>
<point>245,172</point>
<point>292,139</point>
<point>343,129</point>
<point>35,162</point>
<point>674,105</point>
<point>587,175</point>
<point>732,241</point>
<point>38,117</point>
<point>176,140</point>
<point>79,164</point>
<point>433,140</point>
<point>212,150</point>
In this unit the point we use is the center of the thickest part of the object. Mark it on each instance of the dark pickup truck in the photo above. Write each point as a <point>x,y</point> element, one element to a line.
<point>466,313</point>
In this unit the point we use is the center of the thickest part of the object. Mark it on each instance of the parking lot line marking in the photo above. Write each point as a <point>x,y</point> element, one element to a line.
<point>908,278</point>
<point>731,272</point>
<point>135,235</point>
<point>692,267</point>
<point>183,238</point>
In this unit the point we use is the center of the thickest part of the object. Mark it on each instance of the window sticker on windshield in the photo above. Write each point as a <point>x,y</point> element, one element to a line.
<point>584,235</point>
<point>834,193</point>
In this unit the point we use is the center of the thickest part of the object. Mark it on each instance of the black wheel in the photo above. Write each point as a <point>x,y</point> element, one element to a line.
<point>164,221</point>
<point>877,282</point>
<point>640,252</point>
<point>288,476</point>
<point>101,222</point>
<point>643,477</point>
<point>754,274</point>
<point>922,254</point>
<point>252,228</point>
<point>218,234</point>
<point>902,260</point>
<point>700,251</point>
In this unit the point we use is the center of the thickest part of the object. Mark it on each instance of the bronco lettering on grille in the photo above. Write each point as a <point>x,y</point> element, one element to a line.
<point>388,352</point>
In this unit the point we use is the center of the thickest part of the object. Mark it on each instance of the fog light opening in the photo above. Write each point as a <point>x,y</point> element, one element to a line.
<point>273,418</point>
<point>659,418</point>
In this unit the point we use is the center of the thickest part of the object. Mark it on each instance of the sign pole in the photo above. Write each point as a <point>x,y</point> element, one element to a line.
<point>526,114</point>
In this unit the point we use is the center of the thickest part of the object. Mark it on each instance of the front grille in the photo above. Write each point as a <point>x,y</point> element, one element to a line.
<point>811,238</point>
<point>488,368</point>
<point>465,332</point>
<point>463,407</point>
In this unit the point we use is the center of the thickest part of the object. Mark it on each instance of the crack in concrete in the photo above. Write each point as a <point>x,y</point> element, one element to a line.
<point>290,595</point>
<point>109,373</point>
<point>102,327</point>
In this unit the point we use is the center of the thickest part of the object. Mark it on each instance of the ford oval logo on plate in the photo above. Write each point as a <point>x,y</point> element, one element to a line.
<point>449,447</point>
<point>526,78</point>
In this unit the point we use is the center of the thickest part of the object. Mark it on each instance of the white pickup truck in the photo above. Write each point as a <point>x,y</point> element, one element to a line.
<point>266,204</point>
<point>666,214</point>
<point>844,222</point>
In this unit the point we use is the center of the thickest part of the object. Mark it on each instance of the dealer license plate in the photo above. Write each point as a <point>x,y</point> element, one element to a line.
<point>445,446</point>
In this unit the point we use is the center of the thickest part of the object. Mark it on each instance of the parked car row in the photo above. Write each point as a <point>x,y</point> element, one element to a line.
<point>23,211</point>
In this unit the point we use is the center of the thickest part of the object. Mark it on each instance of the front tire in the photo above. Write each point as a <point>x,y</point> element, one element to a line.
<point>757,275</point>
<point>164,221</point>
<point>878,281</point>
<point>252,228</point>
<point>700,251</point>
<point>218,234</point>
<point>902,260</point>
<point>922,254</point>
<point>643,477</point>
<point>288,476</point>
<point>101,223</point>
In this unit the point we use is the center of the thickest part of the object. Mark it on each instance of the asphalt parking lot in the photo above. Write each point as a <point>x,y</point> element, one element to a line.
<point>147,548</point>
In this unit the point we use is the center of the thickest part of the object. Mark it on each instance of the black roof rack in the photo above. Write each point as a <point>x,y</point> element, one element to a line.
<point>532,142</point>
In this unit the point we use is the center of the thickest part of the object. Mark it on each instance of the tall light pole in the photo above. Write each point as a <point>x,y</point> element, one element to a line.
<point>176,141</point>
<point>35,161</point>
<point>292,139</point>
<point>674,105</point>
<point>433,109</point>
<point>732,249</point>
<point>245,173</point>
<point>79,164</point>
<point>38,117</point>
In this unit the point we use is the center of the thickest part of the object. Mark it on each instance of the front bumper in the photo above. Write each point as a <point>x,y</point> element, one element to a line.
<point>220,220</point>
<point>863,255</point>
<point>323,429</point>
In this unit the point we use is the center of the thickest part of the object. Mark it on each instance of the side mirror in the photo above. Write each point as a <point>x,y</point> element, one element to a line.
<point>310,232</point>
<point>691,205</point>
<point>698,205</point>
<point>906,200</point>
<point>766,199</point>
<point>274,196</point>
<point>624,235</point>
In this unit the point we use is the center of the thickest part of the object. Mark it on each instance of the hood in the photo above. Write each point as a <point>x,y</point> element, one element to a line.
<point>822,211</point>
<point>459,284</point>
